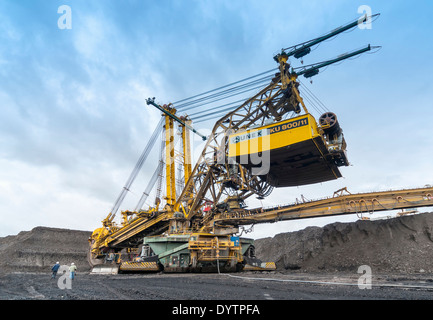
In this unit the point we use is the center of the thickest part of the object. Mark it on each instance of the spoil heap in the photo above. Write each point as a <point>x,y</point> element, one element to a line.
<point>40,248</point>
<point>403,244</point>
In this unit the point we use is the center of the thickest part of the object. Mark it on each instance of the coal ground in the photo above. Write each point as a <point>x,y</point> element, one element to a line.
<point>400,245</point>
<point>312,264</point>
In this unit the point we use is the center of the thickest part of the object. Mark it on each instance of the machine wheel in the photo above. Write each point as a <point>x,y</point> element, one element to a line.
<point>330,119</point>
<point>93,261</point>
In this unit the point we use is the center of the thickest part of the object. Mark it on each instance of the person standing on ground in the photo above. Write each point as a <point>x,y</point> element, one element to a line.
<point>54,269</point>
<point>72,270</point>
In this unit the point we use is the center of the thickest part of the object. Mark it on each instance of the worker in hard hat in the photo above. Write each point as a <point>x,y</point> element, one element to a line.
<point>54,269</point>
<point>72,270</point>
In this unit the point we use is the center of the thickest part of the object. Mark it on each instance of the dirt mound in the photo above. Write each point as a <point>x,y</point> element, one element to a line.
<point>402,244</point>
<point>40,248</point>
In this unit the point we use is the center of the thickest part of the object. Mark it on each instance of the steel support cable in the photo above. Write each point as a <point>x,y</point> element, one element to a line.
<point>207,92</point>
<point>222,95</point>
<point>227,96</point>
<point>137,167</point>
<point>231,106</point>
<point>161,175</point>
<point>153,179</point>
<point>317,106</point>
<point>313,96</point>
<point>225,86</point>
<point>312,103</point>
<point>312,99</point>
<point>221,106</point>
<point>217,112</point>
<point>215,115</point>
<point>232,95</point>
<point>214,111</point>
<point>240,87</point>
<point>149,187</point>
<point>145,153</point>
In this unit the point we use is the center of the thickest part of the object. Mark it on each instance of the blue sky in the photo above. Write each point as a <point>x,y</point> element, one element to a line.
<point>73,114</point>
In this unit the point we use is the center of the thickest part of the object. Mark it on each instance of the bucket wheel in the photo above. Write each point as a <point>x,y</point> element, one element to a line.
<point>92,259</point>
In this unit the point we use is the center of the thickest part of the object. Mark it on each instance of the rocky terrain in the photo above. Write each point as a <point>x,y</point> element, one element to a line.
<point>398,245</point>
<point>40,248</point>
<point>314,263</point>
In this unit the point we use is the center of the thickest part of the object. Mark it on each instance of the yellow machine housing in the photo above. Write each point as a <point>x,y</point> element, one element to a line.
<point>292,152</point>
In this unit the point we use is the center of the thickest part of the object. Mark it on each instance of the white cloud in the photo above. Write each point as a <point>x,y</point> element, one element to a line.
<point>74,118</point>
<point>32,196</point>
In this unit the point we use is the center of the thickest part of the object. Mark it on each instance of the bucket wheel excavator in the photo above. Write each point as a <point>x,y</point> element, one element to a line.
<point>269,141</point>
